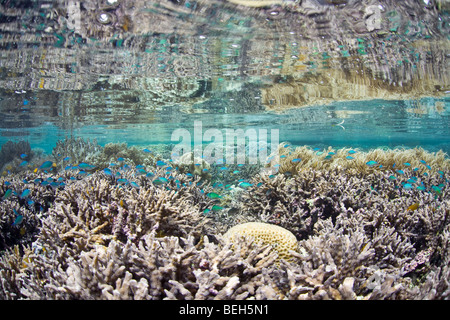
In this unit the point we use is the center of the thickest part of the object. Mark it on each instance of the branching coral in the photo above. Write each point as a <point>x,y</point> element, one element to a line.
<point>74,151</point>
<point>147,232</point>
<point>13,154</point>
<point>304,158</point>
<point>98,211</point>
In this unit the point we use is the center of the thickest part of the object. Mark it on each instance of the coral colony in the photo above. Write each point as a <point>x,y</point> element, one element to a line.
<point>120,222</point>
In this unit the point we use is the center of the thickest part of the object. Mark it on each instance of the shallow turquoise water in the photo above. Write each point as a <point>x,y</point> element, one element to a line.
<point>365,125</point>
<point>66,73</point>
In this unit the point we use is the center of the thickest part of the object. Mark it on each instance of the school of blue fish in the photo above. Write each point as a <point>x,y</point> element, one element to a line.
<point>410,179</point>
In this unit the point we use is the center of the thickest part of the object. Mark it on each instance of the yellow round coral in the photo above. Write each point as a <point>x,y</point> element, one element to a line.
<point>281,239</point>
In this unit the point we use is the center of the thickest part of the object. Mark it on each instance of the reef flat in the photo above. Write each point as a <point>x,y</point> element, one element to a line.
<point>120,222</point>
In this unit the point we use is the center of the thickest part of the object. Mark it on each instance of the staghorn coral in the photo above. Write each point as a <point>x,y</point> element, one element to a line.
<point>155,268</point>
<point>77,150</point>
<point>361,235</point>
<point>12,154</point>
<point>187,163</point>
<point>73,151</point>
<point>97,211</point>
<point>304,158</point>
<point>132,155</point>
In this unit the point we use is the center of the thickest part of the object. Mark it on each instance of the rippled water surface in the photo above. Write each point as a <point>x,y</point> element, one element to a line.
<point>342,73</point>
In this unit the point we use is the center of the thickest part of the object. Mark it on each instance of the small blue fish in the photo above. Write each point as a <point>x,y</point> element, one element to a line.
<point>213,195</point>
<point>331,153</point>
<point>423,161</point>
<point>85,166</point>
<point>411,181</point>
<point>46,165</point>
<point>134,184</point>
<point>54,184</point>
<point>157,182</point>
<point>407,164</point>
<point>162,179</point>
<point>283,156</point>
<point>7,194</point>
<point>24,163</point>
<point>141,171</point>
<point>160,163</point>
<point>371,163</point>
<point>149,174</point>
<point>25,193</point>
<point>319,153</point>
<point>428,166</point>
<point>407,186</point>
<point>146,150</point>
<point>296,160</point>
<point>107,171</point>
<point>216,208</point>
<point>245,185</point>
<point>19,218</point>
<point>400,172</point>
<point>351,152</point>
<point>236,171</point>
<point>392,178</point>
<point>223,168</point>
<point>349,158</point>
<point>120,159</point>
<point>122,181</point>
<point>421,188</point>
<point>66,159</point>
<point>23,156</point>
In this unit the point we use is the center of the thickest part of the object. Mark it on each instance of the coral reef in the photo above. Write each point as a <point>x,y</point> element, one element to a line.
<point>187,163</point>
<point>290,160</point>
<point>319,230</point>
<point>12,154</point>
<point>74,151</point>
